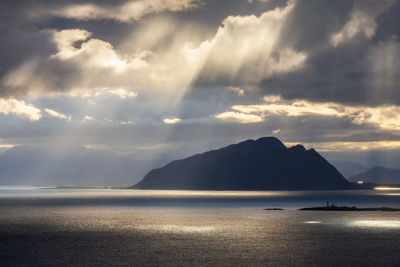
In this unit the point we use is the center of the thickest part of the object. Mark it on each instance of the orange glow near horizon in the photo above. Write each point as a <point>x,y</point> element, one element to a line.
<point>387,188</point>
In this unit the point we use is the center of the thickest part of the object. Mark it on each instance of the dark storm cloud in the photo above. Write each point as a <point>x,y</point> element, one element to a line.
<point>348,73</point>
<point>19,46</point>
<point>388,24</point>
<point>311,22</point>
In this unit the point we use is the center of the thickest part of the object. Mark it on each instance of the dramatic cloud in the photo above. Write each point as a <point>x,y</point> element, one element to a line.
<point>239,117</point>
<point>242,50</point>
<point>19,108</point>
<point>58,115</point>
<point>385,117</point>
<point>126,12</point>
<point>245,49</point>
<point>339,38</point>
<point>178,77</point>
<point>358,24</point>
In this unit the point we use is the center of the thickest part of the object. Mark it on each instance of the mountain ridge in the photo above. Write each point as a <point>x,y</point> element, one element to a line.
<point>262,164</point>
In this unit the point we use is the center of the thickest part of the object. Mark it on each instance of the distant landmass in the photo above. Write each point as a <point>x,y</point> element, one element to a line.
<point>379,175</point>
<point>263,164</point>
<point>346,208</point>
<point>348,168</point>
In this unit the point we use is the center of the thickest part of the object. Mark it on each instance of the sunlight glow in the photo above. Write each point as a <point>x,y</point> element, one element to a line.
<point>7,145</point>
<point>312,222</point>
<point>175,228</point>
<point>346,146</point>
<point>384,116</point>
<point>377,223</point>
<point>387,188</point>
<point>238,117</point>
<point>171,120</point>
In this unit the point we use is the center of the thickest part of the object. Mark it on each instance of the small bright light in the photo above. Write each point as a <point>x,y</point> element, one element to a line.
<point>360,182</point>
<point>312,222</point>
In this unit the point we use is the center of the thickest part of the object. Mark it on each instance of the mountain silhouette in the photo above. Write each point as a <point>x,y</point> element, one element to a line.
<point>263,164</point>
<point>379,175</point>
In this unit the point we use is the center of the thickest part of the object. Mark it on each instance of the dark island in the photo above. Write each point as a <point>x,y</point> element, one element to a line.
<point>332,207</point>
<point>263,164</point>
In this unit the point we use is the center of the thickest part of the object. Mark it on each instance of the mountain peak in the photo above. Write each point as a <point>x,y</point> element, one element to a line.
<point>271,143</point>
<point>298,148</point>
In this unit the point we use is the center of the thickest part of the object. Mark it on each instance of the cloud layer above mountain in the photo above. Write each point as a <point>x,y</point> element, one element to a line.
<point>184,75</point>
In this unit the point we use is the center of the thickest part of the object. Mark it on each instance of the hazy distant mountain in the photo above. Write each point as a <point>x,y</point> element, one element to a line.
<point>379,175</point>
<point>264,164</point>
<point>349,169</point>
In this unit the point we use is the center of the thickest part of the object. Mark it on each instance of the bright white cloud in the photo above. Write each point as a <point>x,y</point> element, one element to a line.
<point>20,109</point>
<point>58,115</point>
<point>239,117</point>
<point>120,92</point>
<point>66,39</point>
<point>129,11</point>
<point>171,120</point>
<point>88,118</point>
<point>385,117</point>
<point>94,53</point>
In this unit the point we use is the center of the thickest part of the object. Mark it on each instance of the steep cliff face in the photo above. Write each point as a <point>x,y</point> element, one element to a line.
<point>263,164</point>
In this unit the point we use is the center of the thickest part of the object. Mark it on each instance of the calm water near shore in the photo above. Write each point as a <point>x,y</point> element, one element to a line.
<point>50,227</point>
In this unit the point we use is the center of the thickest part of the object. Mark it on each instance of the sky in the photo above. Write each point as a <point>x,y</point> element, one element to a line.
<point>100,92</point>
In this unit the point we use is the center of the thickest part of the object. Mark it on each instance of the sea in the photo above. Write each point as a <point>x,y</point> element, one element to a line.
<point>121,227</point>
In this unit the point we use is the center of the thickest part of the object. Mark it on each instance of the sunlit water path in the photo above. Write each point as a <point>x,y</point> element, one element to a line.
<point>171,228</point>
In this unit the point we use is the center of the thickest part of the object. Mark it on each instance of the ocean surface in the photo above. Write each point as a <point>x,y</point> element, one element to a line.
<point>97,227</point>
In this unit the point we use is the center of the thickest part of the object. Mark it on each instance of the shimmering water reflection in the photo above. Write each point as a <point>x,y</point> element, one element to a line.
<point>376,223</point>
<point>182,198</point>
<point>169,228</point>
